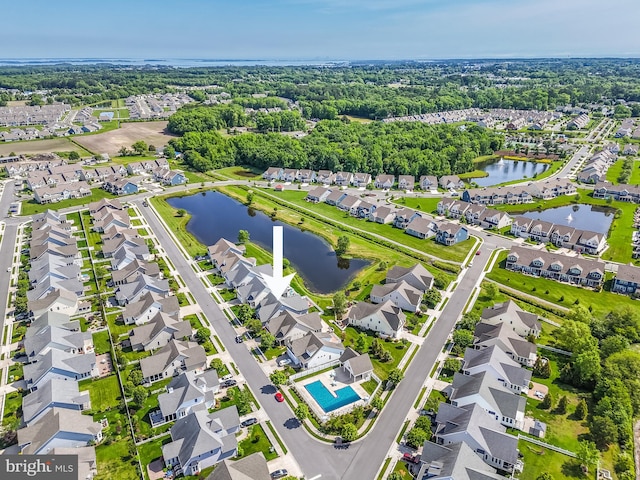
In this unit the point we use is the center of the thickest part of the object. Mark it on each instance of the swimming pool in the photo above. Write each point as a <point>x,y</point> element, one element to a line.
<point>326,400</point>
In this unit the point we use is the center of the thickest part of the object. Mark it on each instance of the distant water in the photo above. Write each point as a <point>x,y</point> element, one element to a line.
<point>168,62</point>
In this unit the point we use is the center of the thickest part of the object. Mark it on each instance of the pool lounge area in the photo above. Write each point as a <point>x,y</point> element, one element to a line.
<point>330,401</point>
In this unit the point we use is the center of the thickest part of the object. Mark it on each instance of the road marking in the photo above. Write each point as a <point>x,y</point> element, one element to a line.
<point>316,477</point>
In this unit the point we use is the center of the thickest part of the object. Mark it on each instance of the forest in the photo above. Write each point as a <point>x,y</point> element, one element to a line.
<point>397,148</point>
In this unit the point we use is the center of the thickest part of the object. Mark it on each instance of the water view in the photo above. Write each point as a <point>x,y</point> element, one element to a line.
<point>215,215</point>
<point>581,216</point>
<point>501,170</point>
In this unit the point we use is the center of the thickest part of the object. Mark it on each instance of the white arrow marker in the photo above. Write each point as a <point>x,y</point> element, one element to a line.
<point>277,283</point>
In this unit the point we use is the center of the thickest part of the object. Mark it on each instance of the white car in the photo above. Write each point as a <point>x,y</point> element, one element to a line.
<point>283,362</point>
<point>539,394</point>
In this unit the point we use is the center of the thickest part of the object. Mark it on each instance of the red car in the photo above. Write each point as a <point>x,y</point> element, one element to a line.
<point>279,397</point>
<point>478,252</point>
<point>407,457</point>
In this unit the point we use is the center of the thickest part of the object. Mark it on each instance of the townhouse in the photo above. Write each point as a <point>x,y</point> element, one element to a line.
<point>386,319</point>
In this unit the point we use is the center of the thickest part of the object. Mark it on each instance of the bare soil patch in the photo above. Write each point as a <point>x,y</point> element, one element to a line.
<point>38,146</point>
<point>153,133</point>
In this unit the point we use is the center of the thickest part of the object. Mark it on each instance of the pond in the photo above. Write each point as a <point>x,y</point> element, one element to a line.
<point>580,216</point>
<point>215,216</point>
<point>501,170</point>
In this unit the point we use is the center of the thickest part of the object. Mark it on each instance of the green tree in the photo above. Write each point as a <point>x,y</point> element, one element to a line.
<point>139,395</point>
<point>575,337</point>
<point>491,289</point>
<point>219,367</point>
<point>423,422</point>
<point>244,313</point>
<point>395,376</point>
<point>135,377</point>
<point>254,325</point>
<point>377,402</point>
<point>416,437</point>
<point>342,246</point>
<point>432,297</point>
<point>349,432</point>
<point>544,476</point>
<point>604,431</point>
<point>339,304</point>
<point>250,197</point>
<point>302,412</point>
<point>547,401</point>
<point>581,410</point>
<point>278,378</point>
<point>73,155</point>
<point>140,147</point>
<point>541,368</point>
<point>562,405</point>
<point>267,340</point>
<point>243,236</point>
<point>203,334</point>
<point>462,338</point>
<point>181,212</point>
<point>451,365</point>
<point>587,454</point>
<point>242,400</point>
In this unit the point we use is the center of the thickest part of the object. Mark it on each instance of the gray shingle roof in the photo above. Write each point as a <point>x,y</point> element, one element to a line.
<point>252,467</point>
<point>187,387</point>
<point>54,392</point>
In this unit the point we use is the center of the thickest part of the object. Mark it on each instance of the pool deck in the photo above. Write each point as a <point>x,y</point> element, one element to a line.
<point>340,380</point>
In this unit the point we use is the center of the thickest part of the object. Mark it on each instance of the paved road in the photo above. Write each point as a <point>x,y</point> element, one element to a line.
<point>575,159</point>
<point>6,249</point>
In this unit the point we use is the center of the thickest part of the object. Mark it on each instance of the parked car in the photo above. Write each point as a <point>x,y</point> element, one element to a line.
<point>478,252</point>
<point>280,473</point>
<point>228,383</point>
<point>284,361</point>
<point>228,376</point>
<point>249,421</point>
<point>408,457</point>
<point>279,397</point>
<point>239,339</point>
<point>145,204</point>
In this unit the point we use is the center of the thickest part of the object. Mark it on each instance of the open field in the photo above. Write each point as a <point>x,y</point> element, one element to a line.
<point>39,146</point>
<point>110,142</point>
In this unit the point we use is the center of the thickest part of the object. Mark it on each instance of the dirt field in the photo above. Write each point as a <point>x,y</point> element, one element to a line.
<point>38,146</point>
<point>110,142</point>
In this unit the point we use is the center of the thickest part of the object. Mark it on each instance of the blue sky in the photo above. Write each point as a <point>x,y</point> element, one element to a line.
<point>319,29</point>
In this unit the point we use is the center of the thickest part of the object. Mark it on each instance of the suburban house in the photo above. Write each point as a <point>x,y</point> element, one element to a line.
<point>417,276</point>
<point>491,218</point>
<point>55,393</point>
<point>59,364</point>
<point>317,195</point>
<point>622,192</point>
<point>288,326</point>
<point>509,313</point>
<point>122,186</point>
<point>289,175</point>
<point>365,209</point>
<point>172,359</point>
<point>406,182</point>
<point>272,174</point>
<point>540,231</point>
<point>170,177</point>
<point>455,461</point>
<point>60,301</point>
<point>306,176</point>
<point>147,306</point>
<point>133,270</point>
<point>490,394</point>
<point>401,294</point>
<point>57,193</point>
<point>520,226</point>
<point>325,177</point>
<point>358,365</point>
<point>480,431</point>
<point>385,318</point>
<point>428,182</point>
<point>421,227</point>
<point>360,180</point>
<point>314,349</point>
<point>158,332</point>
<point>251,467</point>
<point>627,280</point>
<point>132,292</point>
<point>498,364</point>
<point>449,182</point>
<point>557,267</point>
<point>186,393</point>
<point>59,338</point>
<point>59,427</point>
<point>404,216</point>
<point>118,218</point>
<point>522,351</point>
<point>87,463</point>
<point>270,306</point>
<point>384,181</point>
<point>578,122</point>
<point>342,179</point>
<point>382,215</point>
<point>335,197</point>
<point>105,204</point>
<point>450,233</point>
<point>350,204</point>
<point>201,440</point>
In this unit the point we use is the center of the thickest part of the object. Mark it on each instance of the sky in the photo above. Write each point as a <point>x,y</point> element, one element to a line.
<point>320,29</point>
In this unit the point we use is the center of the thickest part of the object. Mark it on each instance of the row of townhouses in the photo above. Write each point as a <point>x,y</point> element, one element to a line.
<point>412,222</point>
<point>470,438</point>
<point>32,115</point>
<point>517,194</point>
<point>360,180</point>
<point>59,353</point>
<point>474,214</point>
<point>582,241</point>
<point>595,167</point>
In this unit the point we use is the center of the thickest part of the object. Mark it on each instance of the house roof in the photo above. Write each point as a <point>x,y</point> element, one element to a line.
<point>251,467</point>
<point>45,302</point>
<point>191,353</point>
<point>491,390</point>
<point>493,356</point>
<point>487,334</point>
<point>410,293</point>
<point>187,387</point>
<point>143,283</point>
<point>87,464</point>
<point>53,392</point>
<point>359,363</point>
<point>60,360</point>
<point>393,315</point>
<point>144,334</point>
<point>152,269</point>
<point>281,325</point>
<point>54,319</point>
<point>628,273</point>
<point>417,276</point>
<point>168,305</point>
<point>456,461</point>
<point>309,344</point>
<point>510,311</point>
<point>55,335</point>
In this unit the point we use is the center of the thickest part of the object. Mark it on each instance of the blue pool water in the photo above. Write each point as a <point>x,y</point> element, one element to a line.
<point>327,401</point>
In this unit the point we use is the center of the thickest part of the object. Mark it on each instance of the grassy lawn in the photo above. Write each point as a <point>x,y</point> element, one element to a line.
<point>117,327</point>
<point>401,469</point>
<point>455,252</point>
<point>16,371</point>
<point>178,226</point>
<point>31,207</point>
<point>538,460</point>
<point>148,452</point>
<point>257,441</point>
<point>562,294</point>
<point>433,400</point>
<point>116,462</point>
<point>227,294</point>
<point>614,172</point>
<point>142,416</point>
<point>274,352</point>
<point>102,342</point>
<point>215,279</point>
<point>12,410</point>
<point>194,321</point>
<point>132,356</point>
<point>428,205</point>
<point>240,173</point>
<point>381,369</point>
<point>104,393</point>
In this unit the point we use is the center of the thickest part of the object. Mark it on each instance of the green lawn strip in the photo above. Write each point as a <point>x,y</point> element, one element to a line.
<point>227,294</point>
<point>117,326</point>
<point>31,207</point>
<point>12,410</point>
<point>381,369</point>
<point>133,355</point>
<point>538,460</point>
<point>274,352</point>
<point>115,462</point>
<point>240,173</point>
<point>16,372</point>
<point>257,441</point>
<point>151,451</point>
<point>456,252</point>
<point>369,386</point>
<point>419,399</point>
<point>424,204</point>
<point>144,429</point>
<point>433,400</point>
<point>104,392</point>
<point>614,171</point>
<point>101,342</point>
<point>401,469</point>
<point>402,430</point>
<point>385,465</point>
<point>635,173</point>
<point>215,279</point>
<point>275,434</point>
<point>601,303</point>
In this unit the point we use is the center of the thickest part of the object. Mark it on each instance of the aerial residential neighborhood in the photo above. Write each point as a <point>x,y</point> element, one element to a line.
<point>226,269</point>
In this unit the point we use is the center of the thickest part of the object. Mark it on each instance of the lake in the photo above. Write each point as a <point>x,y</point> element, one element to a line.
<point>580,216</point>
<point>501,170</point>
<point>215,216</point>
